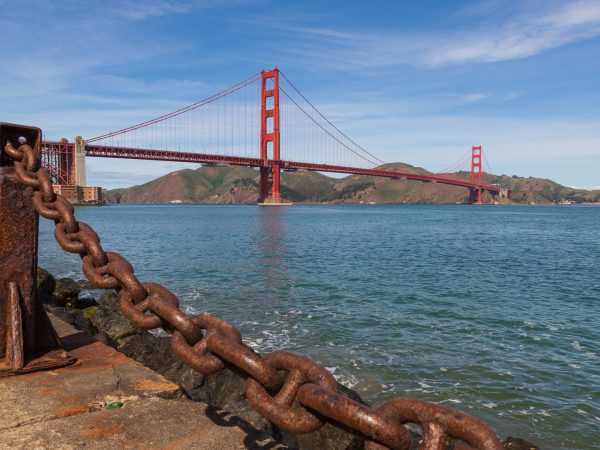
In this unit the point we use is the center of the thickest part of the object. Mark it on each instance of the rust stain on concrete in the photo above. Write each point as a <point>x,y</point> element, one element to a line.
<point>103,431</point>
<point>46,392</point>
<point>66,411</point>
<point>150,386</point>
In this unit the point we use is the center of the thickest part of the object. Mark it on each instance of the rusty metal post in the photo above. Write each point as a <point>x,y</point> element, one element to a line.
<point>28,342</point>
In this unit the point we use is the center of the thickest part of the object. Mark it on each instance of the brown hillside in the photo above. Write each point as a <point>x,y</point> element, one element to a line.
<point>225,184</point>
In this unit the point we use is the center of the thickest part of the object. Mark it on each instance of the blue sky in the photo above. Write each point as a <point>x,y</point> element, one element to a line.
<point>418,82</point>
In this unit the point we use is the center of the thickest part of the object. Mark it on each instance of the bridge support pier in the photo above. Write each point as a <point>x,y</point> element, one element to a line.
<point>269,186</point>
<point>475,196</point>
<point>270,182</point>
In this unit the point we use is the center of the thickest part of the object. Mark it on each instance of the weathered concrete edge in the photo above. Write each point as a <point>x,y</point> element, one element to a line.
<point>67,408</point>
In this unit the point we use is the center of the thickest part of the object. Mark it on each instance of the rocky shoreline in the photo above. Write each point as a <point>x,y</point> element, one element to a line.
<point>100,317</point>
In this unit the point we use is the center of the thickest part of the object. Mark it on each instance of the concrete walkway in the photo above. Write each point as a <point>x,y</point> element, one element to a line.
<point>106,400</point>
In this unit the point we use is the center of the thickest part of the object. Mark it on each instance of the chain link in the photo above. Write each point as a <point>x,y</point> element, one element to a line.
<point>278,409</point>
<point>277,383</point>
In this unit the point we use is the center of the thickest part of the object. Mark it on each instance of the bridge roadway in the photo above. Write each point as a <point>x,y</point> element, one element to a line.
<point>168,155</point>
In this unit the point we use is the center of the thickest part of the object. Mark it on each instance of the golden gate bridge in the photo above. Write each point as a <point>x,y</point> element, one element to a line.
<point>263,122</point>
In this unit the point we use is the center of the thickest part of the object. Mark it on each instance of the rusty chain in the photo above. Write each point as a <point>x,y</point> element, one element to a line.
<point>208,344</point>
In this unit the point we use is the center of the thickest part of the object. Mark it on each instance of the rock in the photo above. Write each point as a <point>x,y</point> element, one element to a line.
<point>89,312</point>
<point>222,389</point>
<point>85,284</point>
<point>109,319</point>
<point>101,336</point>
<point>109,301</point>
<point>46,284</point>
<point>76,318</point>
<point>512,443</point>
<point>85,302</point>
<point>65,292</point>
<point>155,352</point>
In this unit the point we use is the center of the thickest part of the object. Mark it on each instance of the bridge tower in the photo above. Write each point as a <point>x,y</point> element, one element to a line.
<point>476,174</point>
<point>270,173</point>
<point>79,157</point>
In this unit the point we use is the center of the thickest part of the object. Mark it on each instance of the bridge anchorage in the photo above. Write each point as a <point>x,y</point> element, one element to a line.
<point>263,122</point>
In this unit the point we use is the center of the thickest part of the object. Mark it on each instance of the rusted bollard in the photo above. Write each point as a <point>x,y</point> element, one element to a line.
<point>28,342</point>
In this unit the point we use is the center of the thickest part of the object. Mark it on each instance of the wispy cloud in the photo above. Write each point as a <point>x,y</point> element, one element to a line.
<point>70,40</point>
<point>135,10</point>
<point>528,34</point>
<point>134,86</point>
<point>379,106</point>
<point>530,30</point>
<point>475,97</point>
<point>60,70</point>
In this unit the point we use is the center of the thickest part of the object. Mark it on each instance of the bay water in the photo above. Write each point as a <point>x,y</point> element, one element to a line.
<point>492,310</point>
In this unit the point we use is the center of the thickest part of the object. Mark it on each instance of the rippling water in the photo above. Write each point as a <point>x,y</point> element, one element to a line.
<point>491,310</point>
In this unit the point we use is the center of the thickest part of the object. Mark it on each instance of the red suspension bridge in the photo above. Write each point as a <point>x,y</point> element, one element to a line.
<point>264,122</point>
